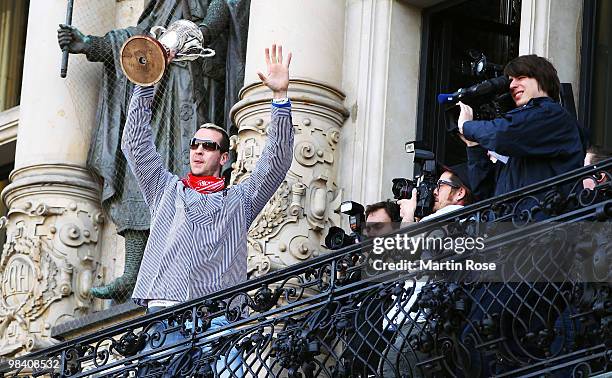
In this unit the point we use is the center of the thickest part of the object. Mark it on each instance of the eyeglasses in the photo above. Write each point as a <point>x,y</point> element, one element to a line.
<point>206,144</point>
<point>449,183</point>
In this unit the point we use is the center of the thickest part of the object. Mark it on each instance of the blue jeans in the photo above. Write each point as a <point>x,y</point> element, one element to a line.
<point>229,365</point>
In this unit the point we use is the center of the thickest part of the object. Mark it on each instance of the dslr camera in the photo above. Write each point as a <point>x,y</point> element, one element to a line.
<point>336,237</point>
<point>424,180</point>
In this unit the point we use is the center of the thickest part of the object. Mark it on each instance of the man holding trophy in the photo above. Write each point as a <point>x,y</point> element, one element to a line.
<point>198,237</point>
<point>190,92</point>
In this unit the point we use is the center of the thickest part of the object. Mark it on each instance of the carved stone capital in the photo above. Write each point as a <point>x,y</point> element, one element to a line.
<point>50,256</point>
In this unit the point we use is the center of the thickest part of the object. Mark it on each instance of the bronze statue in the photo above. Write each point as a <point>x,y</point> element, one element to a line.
<point>188,95</point>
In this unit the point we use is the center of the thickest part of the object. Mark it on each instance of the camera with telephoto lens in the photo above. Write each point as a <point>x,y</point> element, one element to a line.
<point>424,180</point>
<point>336,237</point>
<point>489,98</point>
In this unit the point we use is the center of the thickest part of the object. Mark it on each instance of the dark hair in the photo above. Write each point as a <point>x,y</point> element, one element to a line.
<point>469,197</point>
<point>538,68</point>
<point>225,142</point>
<point>391,208</point>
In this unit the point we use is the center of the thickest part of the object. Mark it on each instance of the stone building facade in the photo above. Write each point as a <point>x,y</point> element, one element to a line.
<point>355,94</point>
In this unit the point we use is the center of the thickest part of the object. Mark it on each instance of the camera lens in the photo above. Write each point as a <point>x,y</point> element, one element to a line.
<point>336,238</point>
<point>402,188</point>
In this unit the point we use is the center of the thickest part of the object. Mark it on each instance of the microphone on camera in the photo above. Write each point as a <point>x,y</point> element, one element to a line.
<point>492,86</point>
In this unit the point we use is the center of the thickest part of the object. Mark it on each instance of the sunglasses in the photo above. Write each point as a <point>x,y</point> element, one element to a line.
<point>446,182</point>
<point>207,145</point>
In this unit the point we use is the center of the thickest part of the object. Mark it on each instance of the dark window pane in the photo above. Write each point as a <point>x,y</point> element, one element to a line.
<point>13,26</point>
<point>601,86</point>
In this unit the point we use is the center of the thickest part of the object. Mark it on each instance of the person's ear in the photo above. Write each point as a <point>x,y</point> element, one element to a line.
<point>224,158</point>
<point>460,195</point>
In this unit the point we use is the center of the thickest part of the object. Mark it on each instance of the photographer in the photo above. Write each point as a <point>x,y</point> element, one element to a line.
<point>540,138</point>
<point>380,217</point>
<point>452,193</point>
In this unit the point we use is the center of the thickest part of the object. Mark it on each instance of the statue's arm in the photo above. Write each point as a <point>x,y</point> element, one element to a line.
<point>99,49</point>
<point>96,48</point>
<point>216,20</point>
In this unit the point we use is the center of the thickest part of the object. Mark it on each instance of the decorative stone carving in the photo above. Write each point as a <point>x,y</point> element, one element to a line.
<point>301,248</point>
<point>273,216</point>
<point>292,226</point>
<point>258,263</point>
<point>30,284</point>
<point>49,259</point>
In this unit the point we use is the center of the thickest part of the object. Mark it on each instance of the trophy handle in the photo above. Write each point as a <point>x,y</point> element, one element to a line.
<point>202,53</point>
<point>156,29</point>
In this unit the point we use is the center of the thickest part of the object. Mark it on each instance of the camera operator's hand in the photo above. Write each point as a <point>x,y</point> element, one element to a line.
<point>408,207</point>
<point>466,114</point>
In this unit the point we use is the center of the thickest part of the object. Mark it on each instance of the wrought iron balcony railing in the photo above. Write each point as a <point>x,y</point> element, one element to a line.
<point>546,310</point>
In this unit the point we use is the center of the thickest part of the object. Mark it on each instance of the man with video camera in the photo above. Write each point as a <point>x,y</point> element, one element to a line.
<point>540,138</point>
<point>537,140</point>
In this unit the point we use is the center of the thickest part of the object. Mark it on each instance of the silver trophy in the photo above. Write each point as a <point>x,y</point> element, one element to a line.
<point>144,59</point>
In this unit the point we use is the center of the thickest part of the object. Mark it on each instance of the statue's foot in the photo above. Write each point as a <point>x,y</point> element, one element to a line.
<point>119,290</point>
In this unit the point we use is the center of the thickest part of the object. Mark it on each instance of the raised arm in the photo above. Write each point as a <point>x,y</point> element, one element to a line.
<point>276,157</point>
<point>481,170</point>
<point>139,150</point>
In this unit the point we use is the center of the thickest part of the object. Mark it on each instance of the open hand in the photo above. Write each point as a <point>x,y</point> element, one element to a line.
<point>277,78</point>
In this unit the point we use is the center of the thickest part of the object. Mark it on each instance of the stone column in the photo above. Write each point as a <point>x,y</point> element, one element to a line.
<point>553,29</point>
<point>293,225</point>
<point>380,79</point>
<point>54,221</point>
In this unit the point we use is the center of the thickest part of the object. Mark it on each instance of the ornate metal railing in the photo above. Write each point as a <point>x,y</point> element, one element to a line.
<point>546,310</point>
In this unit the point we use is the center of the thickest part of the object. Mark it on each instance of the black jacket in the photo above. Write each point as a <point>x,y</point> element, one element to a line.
<point>541,138</point>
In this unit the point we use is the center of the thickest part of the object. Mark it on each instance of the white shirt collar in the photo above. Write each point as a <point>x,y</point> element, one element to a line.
<point>442,211</point>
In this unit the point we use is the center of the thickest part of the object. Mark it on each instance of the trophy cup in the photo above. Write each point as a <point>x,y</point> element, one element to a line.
<point>144,58</point>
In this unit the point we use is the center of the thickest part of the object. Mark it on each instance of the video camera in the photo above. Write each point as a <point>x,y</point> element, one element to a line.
<point>489,98</point>
<point>336,237</point>
<point>424,180</point>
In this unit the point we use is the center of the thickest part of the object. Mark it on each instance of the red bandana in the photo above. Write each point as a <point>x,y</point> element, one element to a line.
<point>204,184</point>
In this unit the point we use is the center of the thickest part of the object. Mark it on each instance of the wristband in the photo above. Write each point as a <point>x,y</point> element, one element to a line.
<point>281,102</point>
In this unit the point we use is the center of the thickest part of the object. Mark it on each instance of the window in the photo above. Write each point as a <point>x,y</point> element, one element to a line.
<point>452,31</point>
<point>13,26</point>
<point>595,110</point>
